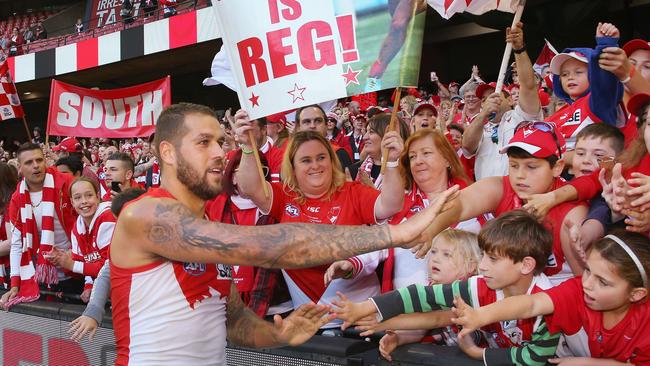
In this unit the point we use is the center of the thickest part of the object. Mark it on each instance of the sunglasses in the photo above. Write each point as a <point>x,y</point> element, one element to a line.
<point>544,127</point>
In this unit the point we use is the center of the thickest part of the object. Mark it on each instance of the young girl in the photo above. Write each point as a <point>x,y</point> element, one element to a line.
<point>454,255</point>
<point>91,234</point>
<point>604,315</point>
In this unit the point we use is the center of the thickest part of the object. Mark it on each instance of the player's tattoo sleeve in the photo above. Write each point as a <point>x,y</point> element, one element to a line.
<point>178,234</point>
<point>244,327</point>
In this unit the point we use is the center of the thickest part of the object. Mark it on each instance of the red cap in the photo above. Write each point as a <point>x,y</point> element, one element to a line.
<point>537,139</point>
<point>636,103</point>
<point>636,44</point>
<point>68,144</point>
<point>482,88</point>
<point>277,118</point>
<point>453,83</point>
<point>424,104</point>
<point>332,115</point>
<point>358,116</point>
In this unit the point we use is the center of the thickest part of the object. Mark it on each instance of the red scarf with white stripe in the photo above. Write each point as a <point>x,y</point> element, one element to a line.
<point>35,243</point>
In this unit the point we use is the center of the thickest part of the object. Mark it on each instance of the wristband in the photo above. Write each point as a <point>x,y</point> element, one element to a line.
<point>629,77</point>
<point>246,152</point>
<point>392,164</point>
<point>520,50</point>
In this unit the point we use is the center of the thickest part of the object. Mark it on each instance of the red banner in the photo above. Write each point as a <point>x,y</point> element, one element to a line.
<point>116,113</point>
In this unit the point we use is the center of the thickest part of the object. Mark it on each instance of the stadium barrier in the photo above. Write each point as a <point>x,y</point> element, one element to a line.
<point>37,334</point>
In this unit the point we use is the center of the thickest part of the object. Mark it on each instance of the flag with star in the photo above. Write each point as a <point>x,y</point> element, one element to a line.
<point>300,53</point>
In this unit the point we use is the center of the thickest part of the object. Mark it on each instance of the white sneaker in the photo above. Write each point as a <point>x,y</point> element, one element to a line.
<point>372,84</point>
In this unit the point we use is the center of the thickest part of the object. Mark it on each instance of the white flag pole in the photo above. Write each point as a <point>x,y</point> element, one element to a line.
<point>508,50</point>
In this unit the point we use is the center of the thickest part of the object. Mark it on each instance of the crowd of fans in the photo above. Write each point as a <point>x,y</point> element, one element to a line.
<point>551,216</point>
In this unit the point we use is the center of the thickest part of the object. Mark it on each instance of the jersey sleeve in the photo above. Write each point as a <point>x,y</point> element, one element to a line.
<point>566,297</point>
<point>606,89</point>
<point>541,347</point>
<point>279,197</point>
<point>419,298</point>
<point>587,186</point>
<point>365,199</point>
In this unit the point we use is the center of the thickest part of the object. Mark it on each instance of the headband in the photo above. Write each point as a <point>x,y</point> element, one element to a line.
<point>635,259</point>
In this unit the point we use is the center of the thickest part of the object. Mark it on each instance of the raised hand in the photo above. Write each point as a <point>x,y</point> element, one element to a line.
<point>339,269</point>
<point>301,324</point>
<point>241,126</point>
<point>607,30</point>
<point>465,316</point>
<point>614,60</point>
<point>515,35</point>
<point>394,143</point>
<point>641,184</point>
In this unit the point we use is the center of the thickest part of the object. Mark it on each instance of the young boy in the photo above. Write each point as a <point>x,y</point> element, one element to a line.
<point>516,247</point>
<point>535,164</point>
<point>591,93</point>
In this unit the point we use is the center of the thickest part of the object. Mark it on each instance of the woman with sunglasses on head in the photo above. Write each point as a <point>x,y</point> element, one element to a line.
<point>260,288</point>
<point>535,164</point>
<point>334,134</point>
<point>314,190</point>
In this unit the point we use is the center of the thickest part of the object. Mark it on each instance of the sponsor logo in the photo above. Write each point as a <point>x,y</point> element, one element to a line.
<point>313,209</point>
<point>575,119</point>
<point>333,214</point>
<point>552,262</point>
<point>224,272</point>
<point>194,269</point>
<point>292,210</point>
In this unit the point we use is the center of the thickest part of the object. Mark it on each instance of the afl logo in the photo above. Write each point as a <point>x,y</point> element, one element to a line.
<point>292,210</point>
<point>194,269</point>
<point>416,208</point>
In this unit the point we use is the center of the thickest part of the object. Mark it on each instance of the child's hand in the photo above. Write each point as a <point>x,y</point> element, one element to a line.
<point>351,312</point>
<point>82,325</point>
<point>85,295</point>
<point>387,344</point>
<point>465,316</point>
<point>338,269</point>
<point>575,238</point>
<point>641,183</point>
<point>607,30</point>
<point>637,221</point>
<point>470,348</point>
<point>539,204</point>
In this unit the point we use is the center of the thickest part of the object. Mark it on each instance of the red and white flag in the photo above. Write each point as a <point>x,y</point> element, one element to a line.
<point>10,106</point>
<point>447,8</point>
<point>545,57</point>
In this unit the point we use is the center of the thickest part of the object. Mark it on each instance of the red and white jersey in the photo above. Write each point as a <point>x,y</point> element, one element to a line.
<point>573,118</point>
<point>585,334</point>
<point>509,333</point>
<point>155,177</point>
<point>90,244</point>
<point>557,269</point>
<point>273,157</point>
<point>169,312</point>
<point>353,204</point>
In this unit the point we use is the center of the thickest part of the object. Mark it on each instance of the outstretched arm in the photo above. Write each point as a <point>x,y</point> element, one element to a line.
<point>245,328</point>
<point>165,228</point>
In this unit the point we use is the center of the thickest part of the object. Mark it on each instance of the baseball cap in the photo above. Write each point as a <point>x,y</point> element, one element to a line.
<point>540,139</point>
<point>277,118</point>
<point>636,103</point>
<point>68,144</point>
<point>636,44</point>
<point>482,88</point>
<point>560,58</point>
<point>422,104</point>
<point>359,116</point>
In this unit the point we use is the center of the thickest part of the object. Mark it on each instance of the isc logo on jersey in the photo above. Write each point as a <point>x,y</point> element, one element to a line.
<point>292,210</point>
<point>194,269</point>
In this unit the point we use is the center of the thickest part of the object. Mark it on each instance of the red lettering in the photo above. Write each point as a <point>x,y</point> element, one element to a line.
<point>274,12</point>
<point>278,53</point>
<point>20,346</point>
<point>294,10</point>
<point>63,352</point>
<point>250,53</point>
<point>308,47</point>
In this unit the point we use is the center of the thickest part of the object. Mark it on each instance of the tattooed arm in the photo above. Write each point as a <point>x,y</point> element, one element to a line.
<point>246,329</point>
<point>160,227</point>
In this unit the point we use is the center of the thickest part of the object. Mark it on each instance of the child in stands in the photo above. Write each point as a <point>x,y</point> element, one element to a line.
<point>515,249</point>
<point>604,315</point>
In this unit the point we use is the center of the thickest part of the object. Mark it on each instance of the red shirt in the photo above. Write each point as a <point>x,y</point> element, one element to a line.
<point>586,336</point>
<point>90,244</point>
<point>557,269</point>
<point>352,204</point>
<point>572,118</point>
<point>588,186</point>
<point>273,157</point>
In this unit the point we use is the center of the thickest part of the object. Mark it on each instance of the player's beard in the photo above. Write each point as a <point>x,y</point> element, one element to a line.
<point>190,178</point>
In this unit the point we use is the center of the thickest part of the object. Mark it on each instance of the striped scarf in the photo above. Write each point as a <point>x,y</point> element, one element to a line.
<point>34,244</point>
<point>366,166</point>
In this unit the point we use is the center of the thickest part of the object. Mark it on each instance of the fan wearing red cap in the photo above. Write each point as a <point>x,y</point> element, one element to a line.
<point>592,93</point>
<point>535,164</point>
<point>424,116</point>
<point>66,146</point>
<point>276,129</point>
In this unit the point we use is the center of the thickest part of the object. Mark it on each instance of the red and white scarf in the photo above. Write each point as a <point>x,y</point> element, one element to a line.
<point>34,244</point>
